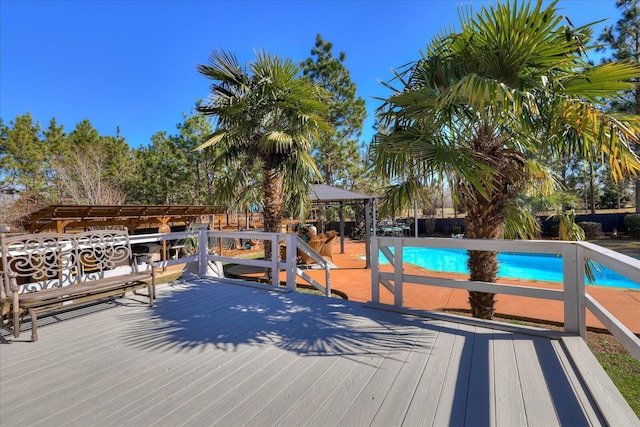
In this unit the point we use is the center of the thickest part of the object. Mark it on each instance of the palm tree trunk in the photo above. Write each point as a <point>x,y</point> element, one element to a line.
<point>485,214</point>
<point>483,222</point>
<point>273,202</point>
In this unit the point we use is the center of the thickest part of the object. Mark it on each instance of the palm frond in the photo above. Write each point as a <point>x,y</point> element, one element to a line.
<point>216,137</point>
<point>520,223</point>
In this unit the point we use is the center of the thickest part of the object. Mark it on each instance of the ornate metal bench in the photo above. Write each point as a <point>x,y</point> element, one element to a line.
<point>42,273</point>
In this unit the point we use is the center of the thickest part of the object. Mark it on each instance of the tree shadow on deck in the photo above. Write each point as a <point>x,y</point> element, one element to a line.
<point>201,313</point>
<point>482,365</point>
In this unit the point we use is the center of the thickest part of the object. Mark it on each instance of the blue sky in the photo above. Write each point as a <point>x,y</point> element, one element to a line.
<point>132,64</point>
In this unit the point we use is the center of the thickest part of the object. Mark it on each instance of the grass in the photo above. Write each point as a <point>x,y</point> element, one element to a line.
<point>172,277</point>
<point>622,368</point>
<point>628,246</point>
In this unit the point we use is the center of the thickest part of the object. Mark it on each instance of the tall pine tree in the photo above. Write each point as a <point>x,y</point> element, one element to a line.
<point>338,155</point>
<point>624,39</point>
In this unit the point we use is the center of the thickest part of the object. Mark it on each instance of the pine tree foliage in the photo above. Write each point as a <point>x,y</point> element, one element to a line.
<point>624,39</point>
<point>338,155</point>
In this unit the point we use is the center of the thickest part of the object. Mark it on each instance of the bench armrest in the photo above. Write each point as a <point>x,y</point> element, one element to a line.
<point>9,286</point>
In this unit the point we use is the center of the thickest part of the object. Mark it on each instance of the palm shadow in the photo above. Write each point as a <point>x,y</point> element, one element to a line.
<point>203,313</point>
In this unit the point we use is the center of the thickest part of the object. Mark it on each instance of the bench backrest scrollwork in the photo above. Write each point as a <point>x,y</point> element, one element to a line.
<point>47,260</point>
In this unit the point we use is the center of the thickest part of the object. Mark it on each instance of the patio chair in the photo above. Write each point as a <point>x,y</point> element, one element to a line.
<point>327,248</point>
<point>316,245</point>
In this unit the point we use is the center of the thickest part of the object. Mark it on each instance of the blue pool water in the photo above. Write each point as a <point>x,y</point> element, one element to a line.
<point>546,267</point>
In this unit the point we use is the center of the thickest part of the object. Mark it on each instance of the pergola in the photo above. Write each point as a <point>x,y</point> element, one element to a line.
<point>61,217</point>
<point>324,194</point>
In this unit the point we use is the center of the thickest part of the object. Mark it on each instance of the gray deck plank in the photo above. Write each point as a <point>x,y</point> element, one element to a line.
<point>509,405</point>
<point>426,396</point>
<point>217,353</point>
<point>331,409</point>
<point>367,404</point>
<point>193,370</point>
<point>453,399</point>
<point>397,400</point>
<point>323,389</point>
<point>250,398</point>
<point>614,409</point>
<point>75,334</point>
<point>216,377</point>
<point>232,386</point>
<point>539,408</point>
<point>93,368</point>
<point>296,401</point>
<point>480,409</point>
<point>82,377</point>
<point>570,398</point>
<point>53,369</point>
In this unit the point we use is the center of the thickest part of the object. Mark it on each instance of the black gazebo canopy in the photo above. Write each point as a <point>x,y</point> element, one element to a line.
<point>324,194</point>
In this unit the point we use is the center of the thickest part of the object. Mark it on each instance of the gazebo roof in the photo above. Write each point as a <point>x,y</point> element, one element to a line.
<point>324,193</point>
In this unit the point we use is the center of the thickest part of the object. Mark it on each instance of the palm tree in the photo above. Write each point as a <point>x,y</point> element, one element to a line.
<point>266,119</point>
<point>483,102</point>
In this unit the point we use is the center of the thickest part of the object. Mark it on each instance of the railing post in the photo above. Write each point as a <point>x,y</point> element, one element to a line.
<point>574,290</point>
<point>397,273</point>
<point>290,265</point>
<point>327,280</point>
<point>375,270</point>
<point>203,243</point>
<point>275,254</point>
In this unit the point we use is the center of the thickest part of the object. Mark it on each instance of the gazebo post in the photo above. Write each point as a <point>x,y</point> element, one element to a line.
<point>415,217</point>
<point>341,227</point>
<point>375,225</point>
<point>367,227</point>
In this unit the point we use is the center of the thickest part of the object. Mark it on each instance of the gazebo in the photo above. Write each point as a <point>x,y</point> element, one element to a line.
<point>331,196</point>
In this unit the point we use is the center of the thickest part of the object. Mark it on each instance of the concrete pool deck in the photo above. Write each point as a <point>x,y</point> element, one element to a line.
<point>354,280</point>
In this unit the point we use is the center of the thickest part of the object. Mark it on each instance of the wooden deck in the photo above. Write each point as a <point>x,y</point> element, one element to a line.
<point>219,354</point>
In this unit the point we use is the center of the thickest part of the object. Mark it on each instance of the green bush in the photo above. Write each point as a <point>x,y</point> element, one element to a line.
<point>632,222</point>
<point>592,230</point>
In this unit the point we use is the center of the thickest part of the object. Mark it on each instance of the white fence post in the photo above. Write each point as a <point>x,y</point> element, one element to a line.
<point>375,270</point>
<point>275,254</point>
<point>291,248</point>
<point>398,297</point>
<point>203,243</point>
<point>575,321</point>
<point>327,281</point>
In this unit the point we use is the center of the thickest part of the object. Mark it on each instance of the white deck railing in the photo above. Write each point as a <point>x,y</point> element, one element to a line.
<point>573,292</point>
<point>207,253</point>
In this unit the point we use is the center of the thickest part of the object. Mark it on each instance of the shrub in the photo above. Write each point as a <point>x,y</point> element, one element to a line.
<point>456,229</point>
<point>358,233</point>
<point>429,211</point>
<point>632,222</point>
<point>592,230</point>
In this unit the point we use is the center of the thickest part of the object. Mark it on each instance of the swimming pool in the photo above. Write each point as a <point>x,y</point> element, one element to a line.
<point>546,267</point>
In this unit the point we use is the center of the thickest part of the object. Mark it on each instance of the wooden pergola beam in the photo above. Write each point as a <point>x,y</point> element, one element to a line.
<point>60,217</point>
